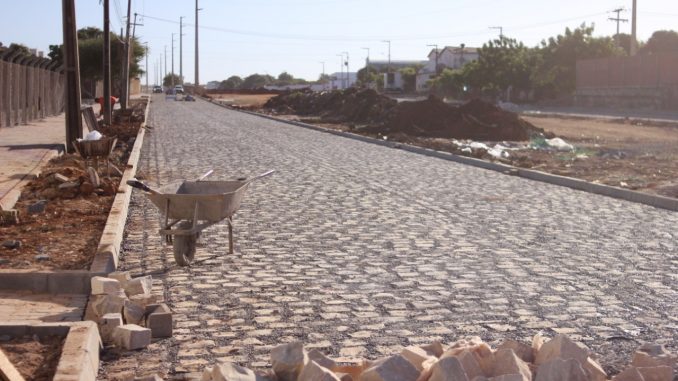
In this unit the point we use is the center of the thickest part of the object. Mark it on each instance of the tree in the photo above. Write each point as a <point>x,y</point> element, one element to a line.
<point>409,75</point>
<point>323,78</point>
<point>167,81</point>
<point>623,40</point>
<point>285,79</point>
<point>661,41</point>
<point>255,81</point>
<point>19,48</point>
<point>233,82</point>
<point>556,73</point>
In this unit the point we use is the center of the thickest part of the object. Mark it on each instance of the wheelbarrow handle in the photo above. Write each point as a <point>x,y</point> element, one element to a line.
<point>201,178</point>
<point>261,175</point>
<point>134,183</point>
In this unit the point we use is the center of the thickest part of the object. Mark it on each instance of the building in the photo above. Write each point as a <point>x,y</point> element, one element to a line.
<point>393,80</point>
<point>340,81</point>
<point>451,57</point>
<point>212,85</point>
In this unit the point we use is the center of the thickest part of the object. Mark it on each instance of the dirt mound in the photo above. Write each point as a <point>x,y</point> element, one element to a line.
<point>432,117</point>
<point>351,105</point>
<point>477,120</point>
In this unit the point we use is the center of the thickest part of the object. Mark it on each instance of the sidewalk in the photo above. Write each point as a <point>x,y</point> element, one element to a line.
<point>24,149</point>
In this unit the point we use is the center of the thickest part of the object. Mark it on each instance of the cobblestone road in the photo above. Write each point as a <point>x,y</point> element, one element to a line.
<point>359,249</point>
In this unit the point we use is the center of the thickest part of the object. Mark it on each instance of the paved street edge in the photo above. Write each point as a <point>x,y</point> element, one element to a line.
<point>569,182</point>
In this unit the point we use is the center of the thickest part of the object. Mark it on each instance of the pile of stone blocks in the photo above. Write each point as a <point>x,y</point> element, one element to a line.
<point>559,359</point>
<point>128,315</point>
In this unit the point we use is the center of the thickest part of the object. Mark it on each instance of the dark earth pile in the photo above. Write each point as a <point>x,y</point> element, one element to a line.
<point>432,117</point>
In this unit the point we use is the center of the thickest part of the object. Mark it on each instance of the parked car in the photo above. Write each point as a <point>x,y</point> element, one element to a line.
<point>157,89</point>
<point>179,89</point>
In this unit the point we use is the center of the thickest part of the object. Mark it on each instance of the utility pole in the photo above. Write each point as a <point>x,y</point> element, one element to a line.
<point>147,71</point>
<point>172,75</point>
<point>72,70</point>
<point>437,54</point>
<point>181,49</point>
<point>322,77</point>
<point>107,65</point>
<point>367,60</point>
<point>634,42</point>
<point>197,61</point>
<point>341,68</point>
<point>163,78</point>
<point>618,20</point>
<point>348,79</point>
<point>501,31</point>
<point>388,69</point>
<point>125,65</point>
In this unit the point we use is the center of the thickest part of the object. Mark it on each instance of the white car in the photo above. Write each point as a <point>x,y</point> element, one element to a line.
<point>178,89</point>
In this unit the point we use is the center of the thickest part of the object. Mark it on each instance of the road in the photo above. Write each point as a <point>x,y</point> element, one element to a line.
<point>358,250</point>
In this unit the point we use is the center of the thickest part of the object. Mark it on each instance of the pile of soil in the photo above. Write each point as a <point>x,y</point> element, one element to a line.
<point>35,358</point>
<point>432,117</point>
<point>350,105</point>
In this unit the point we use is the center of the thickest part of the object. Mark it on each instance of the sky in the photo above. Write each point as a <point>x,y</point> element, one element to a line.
<point>241,37</point>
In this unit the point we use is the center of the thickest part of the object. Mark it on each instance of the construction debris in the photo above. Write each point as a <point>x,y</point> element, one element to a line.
<point>126,311</point>
<point>559,359</point>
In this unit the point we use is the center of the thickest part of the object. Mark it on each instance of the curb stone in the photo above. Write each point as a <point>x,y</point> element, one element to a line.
<point>569,182</point>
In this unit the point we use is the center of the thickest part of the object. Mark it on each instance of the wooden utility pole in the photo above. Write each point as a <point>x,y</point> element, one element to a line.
<point>181,49</point>
<point>125,61</point>
<point>618,20</point>
<point>634,41</point>
<point>72,71</point>
<point>107,64</point>
<point>173,60</point>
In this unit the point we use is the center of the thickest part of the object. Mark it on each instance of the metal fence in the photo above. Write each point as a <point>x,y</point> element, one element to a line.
<point>30,88</point>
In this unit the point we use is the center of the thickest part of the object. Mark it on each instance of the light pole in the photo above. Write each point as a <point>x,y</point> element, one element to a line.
<point>388,69</point>
<point>341,67</point>
<point>197,61</point>
<point>634,42</point>
<point>163,79</point>
<point>181,49</point>
<point>147,71</point>
<point>437,54</point>
<point>367,60</point>
<point>322,77</point>
<point>172,76</point>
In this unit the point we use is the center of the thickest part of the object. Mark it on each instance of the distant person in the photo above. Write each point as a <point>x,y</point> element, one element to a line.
<point>100,101</point>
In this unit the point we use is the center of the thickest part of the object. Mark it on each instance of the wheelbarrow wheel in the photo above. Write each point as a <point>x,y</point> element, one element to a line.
<point>184,245</point>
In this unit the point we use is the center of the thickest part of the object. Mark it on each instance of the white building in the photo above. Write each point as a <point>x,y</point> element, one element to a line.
<point>340,81</point>
<point>452,57</point>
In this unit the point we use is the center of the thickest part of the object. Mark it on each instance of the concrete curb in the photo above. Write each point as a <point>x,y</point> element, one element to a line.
<point>569,182</point>
<point>108,251</point>
<point>46,282</point>
<point>80,353</point>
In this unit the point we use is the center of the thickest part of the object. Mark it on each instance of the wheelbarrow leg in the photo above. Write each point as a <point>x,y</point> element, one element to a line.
<point>230,235</point>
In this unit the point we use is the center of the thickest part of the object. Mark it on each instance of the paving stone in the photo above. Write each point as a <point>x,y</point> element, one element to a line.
<point>160,321</point>
<point>131,336</point>
<point>448,369</point>
<point>139,286</point>
<point>559,369</point>
<point>314,372</point>
<point>107,325</point>
<point>394,368</point>
<point>105,286</point>
<point>288,360</point>
<point>232,372</point>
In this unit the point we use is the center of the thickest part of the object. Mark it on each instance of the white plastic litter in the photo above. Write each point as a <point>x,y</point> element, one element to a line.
<point>498,151</point>
<point>94,135</point>
<point>479,145</point>
<point>559,144</point>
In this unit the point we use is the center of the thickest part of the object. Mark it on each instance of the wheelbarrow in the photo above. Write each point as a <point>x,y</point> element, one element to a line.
<point>192,206</point>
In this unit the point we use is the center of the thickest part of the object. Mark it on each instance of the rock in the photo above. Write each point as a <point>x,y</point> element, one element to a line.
<point>651,355</point>
<point>121,276</point>
<point>228,371</point>
<point>470,364</point>
<point>434,349</point>
<point>37,207</point>
<point>160,321</point>
<point>107,325</point>
<point>482,352</point>
<point>416,356</point>
<point>106,304</point>
<point>594,370</point>
<point>448,369</point>
<point>657,373</point>
<point>394,368</point>
<point>561,370</point>
<point>11,244</point>
<point>506,362</point>
<point>105,286</point>
<point>86,188</point>
<point>629,374</point>
<point>61,178</point>
<point>69,185</point>
<point>523,351</point>
<point>561,347</point>
<point>131,336</point>
<point>144,300</point>
<point>321,359</point>
<point>152,377</point>
<point>133,313</point>
<point>94,177</point>
<point>288,360</point>
<point>139,286</point>
<point>207,374</point>
<point>49,193</point>
<point>314,372</point>
<point>42,257</point>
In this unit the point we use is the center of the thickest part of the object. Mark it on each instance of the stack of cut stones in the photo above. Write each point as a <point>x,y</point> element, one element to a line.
<point>559,359</point>
<point>127,313</point>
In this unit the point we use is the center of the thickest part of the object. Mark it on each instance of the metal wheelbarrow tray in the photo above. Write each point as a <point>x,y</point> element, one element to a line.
<point>192,206</point>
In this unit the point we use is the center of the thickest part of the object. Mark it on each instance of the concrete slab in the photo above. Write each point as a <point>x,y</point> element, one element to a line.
<point>25,307</point>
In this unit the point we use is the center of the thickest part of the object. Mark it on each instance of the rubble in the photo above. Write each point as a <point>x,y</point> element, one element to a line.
<point>159,320</point>
<point>131,336</point>
<point>139,286</point>
<point>105,286</point>
<point>471,359</point>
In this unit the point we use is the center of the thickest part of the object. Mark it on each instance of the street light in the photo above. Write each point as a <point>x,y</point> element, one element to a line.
<point>501,31</point>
